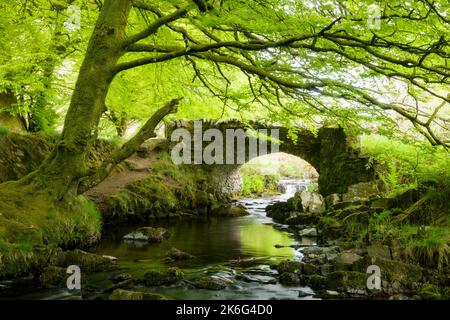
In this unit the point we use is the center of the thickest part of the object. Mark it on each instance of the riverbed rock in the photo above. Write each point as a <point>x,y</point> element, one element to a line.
<point>175,254</point>
<point>52,277</point>
<point>304,293</point>
<point>299,218</point>
<point>310,269</point>
<point>88,262</point>
<point>295,203</point>
<point>309,232</point>
<point>159,278</point>
<point>148,234</point>
<point>121,278</point>
<point>312,202</point>
<point>227,210</point>
<point>315,281</point>
<point>120,294</point>
<point>347,281</point>
<point>289,279</point>
<point>289,266</point>
<point>278,211</point>
<point>212,283</point>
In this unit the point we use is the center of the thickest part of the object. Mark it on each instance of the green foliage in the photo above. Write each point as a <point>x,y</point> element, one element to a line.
<point>4,131</point>
<point>404,166</point>
<point>252,184</point>
<point>290,170</point>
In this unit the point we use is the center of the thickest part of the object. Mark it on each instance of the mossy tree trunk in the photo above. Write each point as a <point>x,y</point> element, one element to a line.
<point>60,173</point>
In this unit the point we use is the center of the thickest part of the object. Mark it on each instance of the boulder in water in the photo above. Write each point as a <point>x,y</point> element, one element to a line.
<point>148,234</point>
<point>176,254</point>
<point>158,278</point>
<point>312,201</point>
<point>310,232</point>
<point>212,283</point>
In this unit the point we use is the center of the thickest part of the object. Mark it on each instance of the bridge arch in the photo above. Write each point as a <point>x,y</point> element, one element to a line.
<point>339,165</point>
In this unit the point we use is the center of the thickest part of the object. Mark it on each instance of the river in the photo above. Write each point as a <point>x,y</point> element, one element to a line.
<point>242,250</point>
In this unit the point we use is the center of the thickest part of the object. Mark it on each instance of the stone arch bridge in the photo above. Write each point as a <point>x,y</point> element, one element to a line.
<point>329,151</point>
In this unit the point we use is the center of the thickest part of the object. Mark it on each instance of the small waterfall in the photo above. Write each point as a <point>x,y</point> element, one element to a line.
<point>288,188</point>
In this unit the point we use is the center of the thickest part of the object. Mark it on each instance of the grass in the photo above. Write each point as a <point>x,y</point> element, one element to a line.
<point>31,225</point>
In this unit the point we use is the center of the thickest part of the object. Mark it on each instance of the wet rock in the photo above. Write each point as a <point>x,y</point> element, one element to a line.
<point>296,218</point>
<point>347,281</point>
<point>176,254</point>
<point>278,211</point>
<point>88,262</point>
<point>121,278</point>
<point>148,234</point>
<point>262,279</point>
<point>295,204</point>
<point>212,283</point>
<point>310,269</point>
<point>304,293</point>
<point>311,232</point>
<point>158,278</point>
<point>53,277</point>
<point>289,279</point>
<point>331,293</point>
<point>315,281</point>
<point>226,210</point>
<point>289,266</point>
<point>312,202</point>
<point>120,294</point>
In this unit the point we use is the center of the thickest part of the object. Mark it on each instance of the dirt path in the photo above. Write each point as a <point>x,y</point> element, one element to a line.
<point>140,170</point>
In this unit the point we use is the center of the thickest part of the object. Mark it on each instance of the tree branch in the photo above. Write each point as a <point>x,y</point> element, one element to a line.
<point>146,132</point>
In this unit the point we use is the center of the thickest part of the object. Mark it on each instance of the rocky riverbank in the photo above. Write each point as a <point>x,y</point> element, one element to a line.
<point>339,266</point>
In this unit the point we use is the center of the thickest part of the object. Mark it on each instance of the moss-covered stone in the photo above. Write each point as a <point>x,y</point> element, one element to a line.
<point>394,271</point>
<point>53,276</point>
<point>211,283</point>
<point>289,266</point>
<point>159,278</point>
<point>120,294</point>
<point>289,279</point>
<point>316,282</point>
<point>148,234</point>
<point>88,262</point>
<point>348,281</point>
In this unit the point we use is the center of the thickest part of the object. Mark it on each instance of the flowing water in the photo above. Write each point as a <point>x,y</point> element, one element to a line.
<point>241,250</point>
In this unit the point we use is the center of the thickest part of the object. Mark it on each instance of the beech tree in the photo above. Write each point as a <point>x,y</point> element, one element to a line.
<point>333,59</point>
